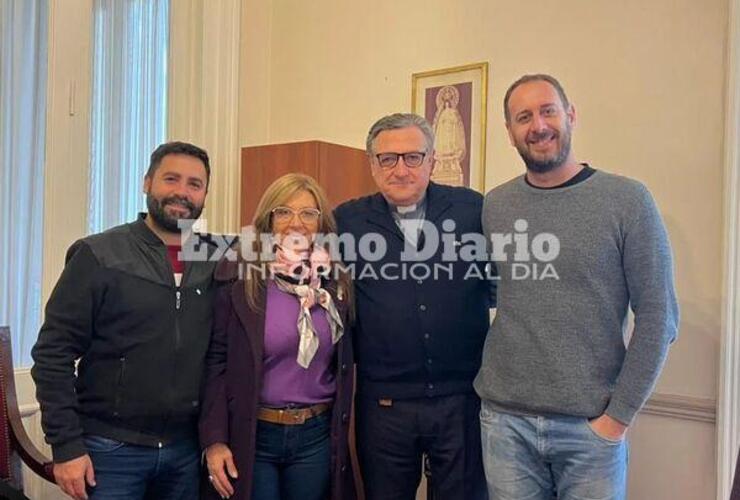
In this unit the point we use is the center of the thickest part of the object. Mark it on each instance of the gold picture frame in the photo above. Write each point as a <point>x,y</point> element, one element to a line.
<point>453,100</point>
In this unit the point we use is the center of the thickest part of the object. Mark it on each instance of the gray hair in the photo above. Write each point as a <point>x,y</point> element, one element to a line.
<point>396,121</point>
<point>539,77</point>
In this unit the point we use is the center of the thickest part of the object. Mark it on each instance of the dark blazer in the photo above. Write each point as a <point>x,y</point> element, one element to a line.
<point>234,379</point>
<point>417,337</point>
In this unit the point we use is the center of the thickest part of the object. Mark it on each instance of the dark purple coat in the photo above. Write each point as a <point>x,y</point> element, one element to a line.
<point>233,384</point>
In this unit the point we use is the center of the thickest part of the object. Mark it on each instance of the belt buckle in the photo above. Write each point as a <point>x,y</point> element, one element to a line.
<point>293,417</point>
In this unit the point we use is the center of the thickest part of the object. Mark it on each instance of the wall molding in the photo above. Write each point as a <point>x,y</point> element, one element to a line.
<point>67,153</point>
<point>681,407</point>
<point>728,417</point>
<point>204,92</point>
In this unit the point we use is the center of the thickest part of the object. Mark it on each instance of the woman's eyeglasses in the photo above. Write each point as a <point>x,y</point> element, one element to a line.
<point>305,215</point>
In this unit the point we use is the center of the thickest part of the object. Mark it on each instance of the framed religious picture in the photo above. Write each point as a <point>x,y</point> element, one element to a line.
<point>453,100</point>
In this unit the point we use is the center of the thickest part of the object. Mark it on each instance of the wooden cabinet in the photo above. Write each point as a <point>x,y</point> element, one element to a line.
<point>342,171</point>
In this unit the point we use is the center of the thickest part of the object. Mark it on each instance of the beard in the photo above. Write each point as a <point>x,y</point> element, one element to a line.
<point>541,166</point>
<point>156,208</point>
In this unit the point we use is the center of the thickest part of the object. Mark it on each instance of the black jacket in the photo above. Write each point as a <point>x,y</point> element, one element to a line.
<point>418,335</point>
<point>140,340</point>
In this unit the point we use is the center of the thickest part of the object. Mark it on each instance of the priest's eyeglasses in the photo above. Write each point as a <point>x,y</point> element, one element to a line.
<point>413,159</point>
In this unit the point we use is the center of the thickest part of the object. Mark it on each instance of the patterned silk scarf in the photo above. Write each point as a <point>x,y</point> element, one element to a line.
<point>300,273</point>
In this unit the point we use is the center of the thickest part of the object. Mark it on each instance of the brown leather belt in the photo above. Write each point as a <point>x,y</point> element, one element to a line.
<point>291,416</point>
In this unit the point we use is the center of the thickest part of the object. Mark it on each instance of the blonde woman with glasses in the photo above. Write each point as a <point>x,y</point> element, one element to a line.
<point>276,410</point>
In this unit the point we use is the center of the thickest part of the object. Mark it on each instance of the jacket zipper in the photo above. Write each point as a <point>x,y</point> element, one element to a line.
<point>178,302</point>
<point>119,389</point>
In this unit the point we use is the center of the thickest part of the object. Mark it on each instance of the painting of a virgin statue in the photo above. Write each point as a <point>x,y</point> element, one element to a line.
<point>451,133</point>
<point>453,101</point>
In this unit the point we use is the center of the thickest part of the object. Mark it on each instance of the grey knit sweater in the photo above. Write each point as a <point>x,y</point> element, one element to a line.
<point>556,345</point>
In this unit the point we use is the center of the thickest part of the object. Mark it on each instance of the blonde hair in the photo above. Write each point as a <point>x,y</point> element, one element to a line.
<point>278,194</point>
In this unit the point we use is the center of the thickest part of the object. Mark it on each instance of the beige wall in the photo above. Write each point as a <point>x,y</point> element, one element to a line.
<point>646,79</point>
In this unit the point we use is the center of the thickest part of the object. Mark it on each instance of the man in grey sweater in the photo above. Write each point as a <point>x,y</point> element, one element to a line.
<point>574,248</point>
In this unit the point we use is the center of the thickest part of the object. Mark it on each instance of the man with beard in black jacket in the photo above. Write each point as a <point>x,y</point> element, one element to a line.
<point>135,310</point>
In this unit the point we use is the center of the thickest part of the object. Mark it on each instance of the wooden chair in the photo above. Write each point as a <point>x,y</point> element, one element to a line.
<point>735,494</point>
<point>14,441</point>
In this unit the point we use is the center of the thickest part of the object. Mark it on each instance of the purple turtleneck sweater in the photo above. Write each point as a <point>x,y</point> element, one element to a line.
<point>284,381</point>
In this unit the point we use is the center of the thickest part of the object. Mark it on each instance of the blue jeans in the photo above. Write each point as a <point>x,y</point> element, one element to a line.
<point>292,462</point>
<point>540,458</point>
<point>128,471</point>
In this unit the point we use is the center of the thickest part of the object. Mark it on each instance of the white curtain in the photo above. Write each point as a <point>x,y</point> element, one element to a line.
<point>129,104</point>
<point>23,43</point>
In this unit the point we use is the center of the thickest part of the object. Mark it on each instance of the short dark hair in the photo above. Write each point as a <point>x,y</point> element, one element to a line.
<point>539,77</point>
<point>178,148</point>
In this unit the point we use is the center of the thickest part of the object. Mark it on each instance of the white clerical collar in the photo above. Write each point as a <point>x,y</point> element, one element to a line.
<point>409,209</point>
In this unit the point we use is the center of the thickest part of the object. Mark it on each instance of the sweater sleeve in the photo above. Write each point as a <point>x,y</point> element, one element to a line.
<point>648,270</point>
<point>63,338</point>
<point>491,269</point>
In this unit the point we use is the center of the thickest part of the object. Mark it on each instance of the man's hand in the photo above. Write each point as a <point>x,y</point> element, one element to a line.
<point>72,475</point>
<point>218,457</point>
<point>608,428</point>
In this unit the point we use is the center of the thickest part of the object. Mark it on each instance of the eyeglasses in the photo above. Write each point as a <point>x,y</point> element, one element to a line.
<point>286,214</point>
<point>413,159</point>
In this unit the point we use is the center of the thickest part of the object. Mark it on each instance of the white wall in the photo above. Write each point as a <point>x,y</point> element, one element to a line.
<point>67,132</point>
